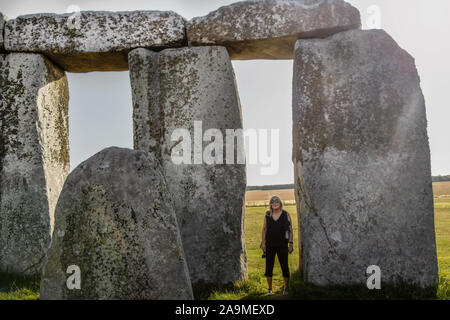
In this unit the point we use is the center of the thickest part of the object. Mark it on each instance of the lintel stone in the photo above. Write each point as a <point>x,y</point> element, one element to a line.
<point>94,40</point>
<point>268,29</point>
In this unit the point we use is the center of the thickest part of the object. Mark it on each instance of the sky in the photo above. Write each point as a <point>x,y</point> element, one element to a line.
<point>100,108</point>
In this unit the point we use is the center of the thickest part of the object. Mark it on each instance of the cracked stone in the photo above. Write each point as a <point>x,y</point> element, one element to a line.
<point>362,162</point>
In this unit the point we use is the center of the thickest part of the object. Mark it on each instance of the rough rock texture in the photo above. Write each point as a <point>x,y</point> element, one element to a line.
<point>2,27</point>
<point>268,29</point>
<point>362,162</point>
<point>115,221</point>
<point>94,40</point>
<point>172,89</point>
<point>34,157</point>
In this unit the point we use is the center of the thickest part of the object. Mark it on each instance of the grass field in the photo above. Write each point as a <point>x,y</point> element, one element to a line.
<point>442,223</point>
<point>261,197</point>
<point>441,188</point>
<point>14,287</point>
<point>255,287</point>
<point>258,195</point>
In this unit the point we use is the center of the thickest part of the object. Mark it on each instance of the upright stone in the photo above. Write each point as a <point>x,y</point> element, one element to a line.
<point>115,224</point>
<point>193,89</point>
<point>268,29</point>
<point>34,157</point>
<point>362,162</point>
<point>94,40</point>
<point>2,28</point>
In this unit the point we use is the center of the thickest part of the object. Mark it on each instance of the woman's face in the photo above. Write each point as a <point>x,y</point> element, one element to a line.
<point>276,205</point>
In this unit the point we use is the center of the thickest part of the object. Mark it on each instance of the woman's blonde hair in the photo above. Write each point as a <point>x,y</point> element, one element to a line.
<point>270,205</point>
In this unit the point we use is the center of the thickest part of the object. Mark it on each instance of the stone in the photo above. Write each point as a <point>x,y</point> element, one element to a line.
<point>34,157</point>
<point>172,89</point>
<point>268,29</point>
<point>362,162</point>
<point>115,223</point>
<point>2,28</point>
<point>94,40</point>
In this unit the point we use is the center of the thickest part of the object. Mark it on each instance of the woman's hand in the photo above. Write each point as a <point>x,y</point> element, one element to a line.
<point>263,246</point>
<point>291,248</point>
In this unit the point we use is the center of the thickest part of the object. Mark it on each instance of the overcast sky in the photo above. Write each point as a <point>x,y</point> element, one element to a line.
<point>100,108</point>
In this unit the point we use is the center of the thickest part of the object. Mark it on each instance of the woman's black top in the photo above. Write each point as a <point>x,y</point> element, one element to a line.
<point>276,230</point>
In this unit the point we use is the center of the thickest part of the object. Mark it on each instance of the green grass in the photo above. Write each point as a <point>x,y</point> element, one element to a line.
<point>442,223</point>
<point>17,287</point>
<point>14,287</point>
<point>255,287</point>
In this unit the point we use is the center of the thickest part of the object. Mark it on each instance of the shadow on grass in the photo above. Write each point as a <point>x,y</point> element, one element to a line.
<point>202,291</point>
<point>299,290</point>
<point>240,290</point>
<point>443,292</point>
<point>400,291</point>
<point>19,287</point>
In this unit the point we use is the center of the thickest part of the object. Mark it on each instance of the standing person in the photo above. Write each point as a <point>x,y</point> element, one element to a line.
<point>277,240</point>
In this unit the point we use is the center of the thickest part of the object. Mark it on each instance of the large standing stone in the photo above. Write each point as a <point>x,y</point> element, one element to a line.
<point>362,162</point>
<point>2,28</point>
<point>94,40</point>
<point>172,89</point>
<point>268,29</point>
<point>34,157</point>
<point>115,221</point>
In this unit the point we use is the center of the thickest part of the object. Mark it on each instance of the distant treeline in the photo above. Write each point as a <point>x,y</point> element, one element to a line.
<point>271,187</point>
<point>441,178</point>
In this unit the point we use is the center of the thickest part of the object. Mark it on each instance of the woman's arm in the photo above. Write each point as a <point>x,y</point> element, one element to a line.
<point>291,233</point>
<point>264,230</point>
<point>263,236</point>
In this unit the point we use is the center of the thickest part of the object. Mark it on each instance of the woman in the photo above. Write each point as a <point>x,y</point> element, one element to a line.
<point>277,239</point>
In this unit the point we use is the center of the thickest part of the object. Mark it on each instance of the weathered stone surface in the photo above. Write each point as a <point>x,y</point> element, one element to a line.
<point>94,40</point>
<point>268,29</point>
<point>116,222</point>
<point>172,89</point>
<point>2,27</point>
<point>34,157</point>
<point>362,162</point>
